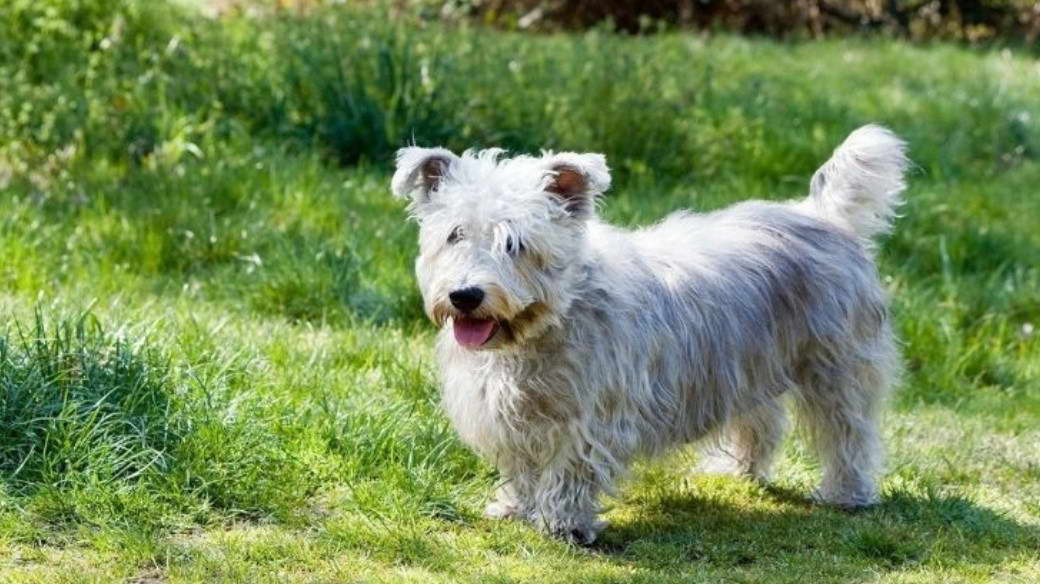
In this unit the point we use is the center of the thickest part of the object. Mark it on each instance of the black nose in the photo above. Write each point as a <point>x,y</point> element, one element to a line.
<point>467,299</point>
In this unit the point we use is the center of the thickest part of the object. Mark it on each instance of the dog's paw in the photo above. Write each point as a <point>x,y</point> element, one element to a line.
<point>846,501</point>
<point>501,510</point>
<point>719,464</point>
<point>583,535</point>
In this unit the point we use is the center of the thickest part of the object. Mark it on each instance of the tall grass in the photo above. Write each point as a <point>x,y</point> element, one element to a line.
<point>97,427</point>
<point>78,407</point>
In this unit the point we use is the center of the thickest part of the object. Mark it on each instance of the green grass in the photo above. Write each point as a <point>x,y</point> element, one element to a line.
<point>213,362</point>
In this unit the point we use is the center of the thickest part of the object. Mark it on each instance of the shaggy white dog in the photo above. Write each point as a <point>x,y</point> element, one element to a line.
<point>570,346</point>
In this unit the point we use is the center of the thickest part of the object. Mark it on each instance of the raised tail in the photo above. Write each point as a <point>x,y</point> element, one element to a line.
<point>862,184</point>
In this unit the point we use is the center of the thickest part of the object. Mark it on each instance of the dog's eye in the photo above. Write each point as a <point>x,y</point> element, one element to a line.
<point>514,246</point>
<point>455,235</point>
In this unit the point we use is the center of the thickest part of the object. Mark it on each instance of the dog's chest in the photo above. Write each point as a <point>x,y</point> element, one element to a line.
<point>506,407</point>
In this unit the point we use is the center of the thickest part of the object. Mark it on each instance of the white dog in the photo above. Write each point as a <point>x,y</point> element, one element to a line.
<point>570,346</point>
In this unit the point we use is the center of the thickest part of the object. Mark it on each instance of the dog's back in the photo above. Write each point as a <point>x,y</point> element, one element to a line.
<point>725,307</point>
<point>727,311</point>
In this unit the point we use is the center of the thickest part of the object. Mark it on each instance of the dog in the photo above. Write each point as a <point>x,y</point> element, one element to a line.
<point>568,346</point>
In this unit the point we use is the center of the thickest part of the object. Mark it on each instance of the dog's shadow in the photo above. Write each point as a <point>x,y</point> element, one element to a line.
<point>681,532</point>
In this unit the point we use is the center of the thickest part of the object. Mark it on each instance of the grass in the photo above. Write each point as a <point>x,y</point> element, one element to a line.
<point>213,362</point>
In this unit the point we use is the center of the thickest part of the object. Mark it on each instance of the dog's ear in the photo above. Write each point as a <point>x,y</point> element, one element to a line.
<point>420,172</point>
<point>576,180</point>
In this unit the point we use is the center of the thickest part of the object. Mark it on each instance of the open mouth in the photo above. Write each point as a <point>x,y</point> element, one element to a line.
<point>474,332</point>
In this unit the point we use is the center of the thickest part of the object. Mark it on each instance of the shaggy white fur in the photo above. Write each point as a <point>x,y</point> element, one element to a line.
<point>570,346</point>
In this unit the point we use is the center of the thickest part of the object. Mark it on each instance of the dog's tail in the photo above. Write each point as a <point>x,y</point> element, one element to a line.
<point>861,186</point>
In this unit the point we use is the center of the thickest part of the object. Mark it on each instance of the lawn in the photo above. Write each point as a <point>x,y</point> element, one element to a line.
<point>214,366</point>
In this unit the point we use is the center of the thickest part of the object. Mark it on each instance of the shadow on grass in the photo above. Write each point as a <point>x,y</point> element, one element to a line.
<point>676,532</point>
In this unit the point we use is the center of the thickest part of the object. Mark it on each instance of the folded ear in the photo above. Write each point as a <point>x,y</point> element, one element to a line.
<point>420,172</point>
<point>577,179</point>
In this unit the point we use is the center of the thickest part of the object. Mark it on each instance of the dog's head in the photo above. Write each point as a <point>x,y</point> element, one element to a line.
<point>500,239</point>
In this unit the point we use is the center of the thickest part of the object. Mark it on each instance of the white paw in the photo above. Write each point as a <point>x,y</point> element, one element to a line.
<point>580,534</point>
<point>500,510</point>
<point>726,465</point>
<point>718,465</point>
<point>849,501</point>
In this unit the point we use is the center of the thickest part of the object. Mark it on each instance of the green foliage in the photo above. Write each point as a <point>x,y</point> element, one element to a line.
<point>214,363</point>
<point>95,430</point>
<point>78,406</point>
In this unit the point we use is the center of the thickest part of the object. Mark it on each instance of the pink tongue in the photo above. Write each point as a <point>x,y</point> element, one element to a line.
<point>473,332</point>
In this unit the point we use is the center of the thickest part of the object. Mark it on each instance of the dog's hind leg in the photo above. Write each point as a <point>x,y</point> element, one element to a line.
<point>747,443</point>
<point>840,405</point>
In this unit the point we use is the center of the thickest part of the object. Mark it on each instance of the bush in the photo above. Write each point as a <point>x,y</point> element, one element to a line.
<point>970,20</point>
<point>91,421</point>
<point>73,401</point>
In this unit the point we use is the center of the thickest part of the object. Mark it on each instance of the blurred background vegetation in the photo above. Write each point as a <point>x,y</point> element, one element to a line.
<point>963,20</point>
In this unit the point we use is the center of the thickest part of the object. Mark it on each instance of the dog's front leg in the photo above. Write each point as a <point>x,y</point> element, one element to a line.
<point>566,503</point>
